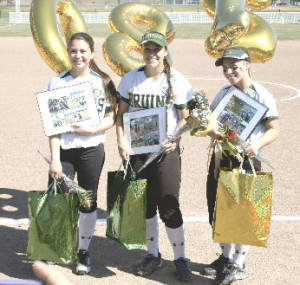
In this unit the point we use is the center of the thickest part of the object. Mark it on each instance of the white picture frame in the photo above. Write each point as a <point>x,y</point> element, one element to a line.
<point>145,130</point>
<point>239,112</point>
<point>62,107</point>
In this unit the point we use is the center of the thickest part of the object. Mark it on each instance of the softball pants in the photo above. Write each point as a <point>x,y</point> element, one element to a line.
<point>87,163</point>
<point>163,183</point>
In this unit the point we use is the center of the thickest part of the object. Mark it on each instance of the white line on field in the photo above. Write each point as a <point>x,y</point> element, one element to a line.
<point>271,83</point>
<point>7,222</point>
<point>287,86</point>
<point>266,82</point>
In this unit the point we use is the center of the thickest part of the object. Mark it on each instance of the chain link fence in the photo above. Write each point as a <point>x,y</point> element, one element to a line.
<point>176,17</point>
<point>152,2</point>
<point>108,2</point>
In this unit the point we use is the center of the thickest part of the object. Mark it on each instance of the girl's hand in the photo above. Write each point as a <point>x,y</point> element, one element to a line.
<point>251,150</point>
<point>123,152</point>
<point>83,130</point>
<point>168,146</point>
<point>214,134</point>
<point>55,169</point>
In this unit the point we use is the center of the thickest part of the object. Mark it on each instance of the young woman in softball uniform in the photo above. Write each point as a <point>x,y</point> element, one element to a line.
<point>151,86</point>
<point>230,266</point>
<point>81,151</point>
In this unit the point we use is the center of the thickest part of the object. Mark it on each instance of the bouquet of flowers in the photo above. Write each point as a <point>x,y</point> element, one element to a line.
<point>199,123</point>
<point>200,120</point>
<point>228,139</point>
<point>85,196</point>
<point>231,142</point>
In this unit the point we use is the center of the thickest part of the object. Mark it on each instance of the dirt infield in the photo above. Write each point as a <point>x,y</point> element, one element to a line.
<point>24,73</point>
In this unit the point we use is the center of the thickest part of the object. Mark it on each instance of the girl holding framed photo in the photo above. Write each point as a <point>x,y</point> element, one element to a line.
<point>155,85</point>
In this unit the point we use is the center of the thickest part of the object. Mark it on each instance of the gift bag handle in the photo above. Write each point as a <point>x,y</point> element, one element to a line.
<point>127,164</point>
<point>133,174</point>
<point>52,189</point>
<point>134,187</point>
<point>241,170</point>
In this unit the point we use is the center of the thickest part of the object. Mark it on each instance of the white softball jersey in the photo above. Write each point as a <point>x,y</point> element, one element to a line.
<point>65,79</point>
<point>263,96</point>
<point>140,93</point>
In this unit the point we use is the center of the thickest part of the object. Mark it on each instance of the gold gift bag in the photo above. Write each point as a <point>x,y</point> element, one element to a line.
<point>243,208</point>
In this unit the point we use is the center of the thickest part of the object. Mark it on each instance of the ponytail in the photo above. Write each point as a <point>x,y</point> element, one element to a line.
<point>168,72</point>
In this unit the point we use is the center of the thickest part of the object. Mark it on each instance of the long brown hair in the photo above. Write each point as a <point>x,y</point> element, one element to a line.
<point>109,86</point>
<point>168,72</point>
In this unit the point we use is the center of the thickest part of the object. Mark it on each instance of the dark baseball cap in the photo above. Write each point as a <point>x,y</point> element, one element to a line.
<point>155,37</point>
<point>233,53</point>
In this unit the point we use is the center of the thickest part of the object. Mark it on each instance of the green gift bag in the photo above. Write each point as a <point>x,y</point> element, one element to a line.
<point>126,208</point>
<point>52,233</point>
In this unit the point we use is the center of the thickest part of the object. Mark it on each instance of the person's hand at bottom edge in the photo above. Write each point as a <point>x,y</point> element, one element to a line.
<point>48,275</point>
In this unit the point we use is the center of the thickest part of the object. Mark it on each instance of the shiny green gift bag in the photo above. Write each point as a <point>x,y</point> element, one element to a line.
<point>126,208</point>
<point>52,233</point>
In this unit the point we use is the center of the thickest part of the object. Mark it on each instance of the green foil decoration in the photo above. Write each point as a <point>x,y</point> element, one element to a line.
<point>52,233</point>
<point>126,207</point>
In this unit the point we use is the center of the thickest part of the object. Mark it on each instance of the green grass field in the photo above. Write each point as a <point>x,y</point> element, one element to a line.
<point>183,31</point>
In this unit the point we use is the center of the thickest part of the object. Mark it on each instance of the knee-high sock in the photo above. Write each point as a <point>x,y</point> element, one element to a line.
<point>240,254</point>
<point>226,249</point>
<point>176,238</point>
<point>152,235</point>
<point>87,223</point>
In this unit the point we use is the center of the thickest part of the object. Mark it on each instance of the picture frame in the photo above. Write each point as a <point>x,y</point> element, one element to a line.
<point>145,130</point>
<point>240,112</point>
<point>62,107</point>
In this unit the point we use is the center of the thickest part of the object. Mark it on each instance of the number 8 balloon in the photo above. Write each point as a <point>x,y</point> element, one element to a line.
<point>128,22</point>
<point>234,25</point>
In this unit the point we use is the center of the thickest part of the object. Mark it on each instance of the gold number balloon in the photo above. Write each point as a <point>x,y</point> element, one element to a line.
<point>45,31</point>
<point>233,25</point>
<point>128,22</point>
<point>47,38</point>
